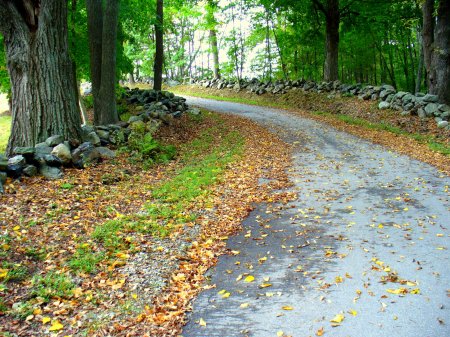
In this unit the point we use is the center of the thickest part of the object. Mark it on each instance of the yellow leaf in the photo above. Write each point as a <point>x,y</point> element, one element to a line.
<point>405,209</point>
<point>223,291</point>
<point>269,294</point>
<point>353,312</point>
<point>56,326</point>
<point>261,260</point>
<point>287,307</point>
<point>235,252</point>
<point>249,279</point>
<point>244,305</point>
<point>265,285</point>
<point>16,228</point>
<point>338,318</point>
<point>415,291</point>
<point>3,273</point>
<point>399,291</point>
<point>280,333</point>
<point>226,295</point>
<point>320,332</point>
<point>201,322</point>
<point>380,226</point>
<point>45,320</point>
<point>338,279</point>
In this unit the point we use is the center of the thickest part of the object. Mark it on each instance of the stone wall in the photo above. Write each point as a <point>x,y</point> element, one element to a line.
<point>48,158</point>
<point>407,104</point>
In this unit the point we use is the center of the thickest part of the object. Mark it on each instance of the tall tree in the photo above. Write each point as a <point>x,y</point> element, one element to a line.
<point>40,69</point>
<point>427,40</point>
<point>441,51</point>
<point>332,15</point>
<point>159,53</point>
<point>211,8</point>
<point>102,30</point>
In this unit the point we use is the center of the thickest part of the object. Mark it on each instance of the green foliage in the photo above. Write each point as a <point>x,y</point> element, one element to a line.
<point>107,234</point>
<point>16,272</point>
<point>84,260</point>
<point>52,285</point>
<point>5,86</point>
<point>5,126</point>
<point>145,148</point>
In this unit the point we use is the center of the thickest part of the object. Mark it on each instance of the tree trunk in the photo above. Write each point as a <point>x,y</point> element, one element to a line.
<point>420,65</point>
<point>212,24</point>
<point>94,10</point>
<point>107,93</point>
<point>428,38</point>
<point>441,52</point>
<point>42,84</point>
<point>332,40</point>
<point>159,54</point>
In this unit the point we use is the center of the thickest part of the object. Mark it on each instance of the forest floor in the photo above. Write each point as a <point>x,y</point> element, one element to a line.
<point>118,249</point>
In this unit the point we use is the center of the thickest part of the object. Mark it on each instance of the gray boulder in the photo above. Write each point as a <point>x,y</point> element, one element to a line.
<point>54,140</point>
<point>50,172</point>
<point>93,138</point>
<point>84,155</point>
<point>384,105</point>
<point>106,153</point>
<point>430,98</point>
<point>17,160</point>
<point>24,151</point>
<point>62,152</point>
<point>442,124</point>
<point>431,109</point>
<point>30,170</point>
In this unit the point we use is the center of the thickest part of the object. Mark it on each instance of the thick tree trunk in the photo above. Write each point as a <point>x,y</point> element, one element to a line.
<point>332,40</point>
<point>420,65</point>
<point>107,93</point>
<point>159,54</point>
<point>43,92</point>
<point>94,10</point>
<point>441,52</point>
<point>215,52</point>
<point>427,39</point>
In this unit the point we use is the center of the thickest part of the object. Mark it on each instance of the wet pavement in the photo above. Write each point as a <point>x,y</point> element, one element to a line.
<point>366,245</point>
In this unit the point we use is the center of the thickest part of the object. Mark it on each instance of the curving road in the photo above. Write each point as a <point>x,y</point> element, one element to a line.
<point>366,244</point>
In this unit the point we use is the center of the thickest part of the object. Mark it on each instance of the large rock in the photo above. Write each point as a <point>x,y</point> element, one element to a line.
<point>384,105</point>
<point>431,109</point>
<point>84,155</point>
<point>24,151</point>
<point>62,152</point>
<point>50,172</point>
<point>54,140</point>
<point>106,153</point>
<point>17,160</point>
<point>30,170</point>
<point>93,138</point>
<point>442,124</point>
<point>430,98</point>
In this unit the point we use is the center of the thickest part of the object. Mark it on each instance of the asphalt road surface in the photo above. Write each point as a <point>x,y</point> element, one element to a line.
<point>366,245</point>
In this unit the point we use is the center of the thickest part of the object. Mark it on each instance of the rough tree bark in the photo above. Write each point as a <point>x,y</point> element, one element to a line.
<point>212,24</point>
<point>427,41</point>
<point>441,52</point>
<point>40,69</point>
<point>159,53</point>
<point>102,31</point>
<point>332,20</point>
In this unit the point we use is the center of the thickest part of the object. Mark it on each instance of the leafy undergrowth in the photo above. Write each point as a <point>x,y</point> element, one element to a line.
<point>119,250</point>
<point>417,138</point>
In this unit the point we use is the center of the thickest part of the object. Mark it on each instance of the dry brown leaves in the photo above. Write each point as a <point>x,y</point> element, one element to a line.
<point>42,215</point>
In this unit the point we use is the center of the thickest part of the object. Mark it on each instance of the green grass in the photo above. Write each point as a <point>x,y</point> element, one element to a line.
<point>84,260</point>
<point>16,272</point>
<point>5,127</point>
<point>203,162</point>
<point>52,285</point>
<point>424,139</point>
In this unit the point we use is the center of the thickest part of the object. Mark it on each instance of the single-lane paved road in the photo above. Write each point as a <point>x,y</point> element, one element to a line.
<point>368,239</point>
